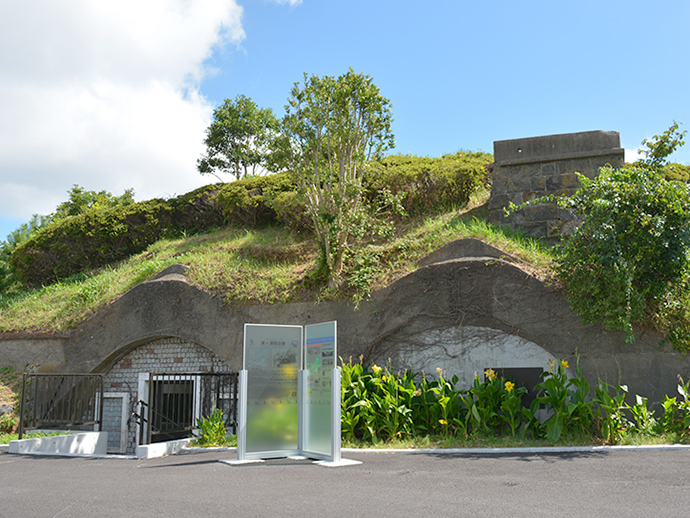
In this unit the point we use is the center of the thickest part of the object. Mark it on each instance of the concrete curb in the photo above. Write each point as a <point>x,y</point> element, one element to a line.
<point>542,449</point>
<point>436,451</point>
<point>77,443</point>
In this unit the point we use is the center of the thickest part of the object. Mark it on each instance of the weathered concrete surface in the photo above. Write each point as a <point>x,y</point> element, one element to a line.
<point>530,168</point>
<point>460,309</point>
<point>32,351</point>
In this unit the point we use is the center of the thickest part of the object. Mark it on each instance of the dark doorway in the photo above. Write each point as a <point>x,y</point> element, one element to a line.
<point>172,409</point>
<point>528,377</point>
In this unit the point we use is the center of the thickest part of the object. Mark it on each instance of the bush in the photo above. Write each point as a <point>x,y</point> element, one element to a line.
<point>679,172</point>
<point>251,202</point>
<point>429,184</point>
<point>101,236</point>
<point>291,212</point>
<point>630,254</point>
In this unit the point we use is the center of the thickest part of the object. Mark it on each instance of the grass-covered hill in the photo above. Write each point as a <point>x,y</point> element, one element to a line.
<point>249,242</point>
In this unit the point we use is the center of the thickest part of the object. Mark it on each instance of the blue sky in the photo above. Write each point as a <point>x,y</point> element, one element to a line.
<point>117,95</point>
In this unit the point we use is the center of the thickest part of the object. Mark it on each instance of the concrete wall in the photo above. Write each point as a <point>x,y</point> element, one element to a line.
<point>29,352</point>
<point>530,168</point>
<point>468,307</point>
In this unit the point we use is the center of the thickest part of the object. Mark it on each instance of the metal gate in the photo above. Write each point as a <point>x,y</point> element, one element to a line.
<point>176,400</point>
<point>60,401</point>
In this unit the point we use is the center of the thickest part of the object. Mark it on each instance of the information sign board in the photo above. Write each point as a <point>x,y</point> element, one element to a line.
<point>272,360</point>
<point>318,388</point>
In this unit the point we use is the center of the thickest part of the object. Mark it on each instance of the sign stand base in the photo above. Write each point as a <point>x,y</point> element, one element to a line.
<point>337,463</point>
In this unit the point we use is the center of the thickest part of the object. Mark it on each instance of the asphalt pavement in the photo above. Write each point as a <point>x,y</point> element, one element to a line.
<point>604,483</point>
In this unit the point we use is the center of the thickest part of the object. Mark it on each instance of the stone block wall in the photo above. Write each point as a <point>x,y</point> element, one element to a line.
<point>530,168</point>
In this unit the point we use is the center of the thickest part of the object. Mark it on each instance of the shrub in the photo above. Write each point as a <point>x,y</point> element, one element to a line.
<point>679,172</point>
<point>251,201</point>
<point>291,212</point>
<point>630,254</point>
<point>101,236</point>
<point>429,184</point>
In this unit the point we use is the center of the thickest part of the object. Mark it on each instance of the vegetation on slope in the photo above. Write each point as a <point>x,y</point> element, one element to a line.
<point>264,251</point>
<point>260,266</point>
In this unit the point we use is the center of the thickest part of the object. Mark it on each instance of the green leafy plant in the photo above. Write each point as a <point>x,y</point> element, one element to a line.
<point>212,429</point>
<point>676,416</point>
<point>376,404</point>
<point>659,147</point>
<point>7,423</point>
<point>631,249</point>
<point>565,401</point>
<point>644,419</point>
<point>513,413</point>
<point>611,421</point>
<point>486,399</point>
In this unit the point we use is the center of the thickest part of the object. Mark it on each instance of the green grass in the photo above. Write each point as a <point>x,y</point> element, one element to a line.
<point>5,438</point>
<point>266,266</point>
<point>229,442</point>
<point>482,441</point>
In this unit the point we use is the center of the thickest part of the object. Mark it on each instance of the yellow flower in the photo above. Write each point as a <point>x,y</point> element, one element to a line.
<point>564,364</point>
<point>509,386</point>
<point>443,421</point>
<point>439,370</point>
<point>376,368</point>
<point>384,379</point>
<point>475,374</point>
<point>490,374</point>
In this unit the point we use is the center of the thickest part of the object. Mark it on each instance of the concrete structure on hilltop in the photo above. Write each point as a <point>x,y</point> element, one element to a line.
<point>529,168</point>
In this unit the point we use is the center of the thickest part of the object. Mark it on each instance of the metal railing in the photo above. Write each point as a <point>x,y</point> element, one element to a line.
<point>177,400</point>
<point>60,401</point>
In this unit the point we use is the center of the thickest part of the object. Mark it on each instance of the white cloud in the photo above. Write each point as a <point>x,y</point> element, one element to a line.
<point>104,94</point>
<point>632,155</point>
<point>291,3</point>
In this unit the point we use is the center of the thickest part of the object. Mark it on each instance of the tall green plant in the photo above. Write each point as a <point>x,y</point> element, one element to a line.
<point>611,420</point>
<point>565,400</point>
<point>332,128</point>
<point>212,429</point>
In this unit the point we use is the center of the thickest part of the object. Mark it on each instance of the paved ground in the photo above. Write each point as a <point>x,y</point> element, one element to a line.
<point>611,483</point>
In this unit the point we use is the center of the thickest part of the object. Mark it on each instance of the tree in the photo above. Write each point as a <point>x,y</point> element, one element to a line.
<point>237,141</point>
<point>331,129</point>
<point>81,200</point>
<point>8,277</point>
<point>659,147</point>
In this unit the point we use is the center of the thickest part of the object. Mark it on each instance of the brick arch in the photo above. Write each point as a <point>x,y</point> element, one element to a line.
<point>169,355</point>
